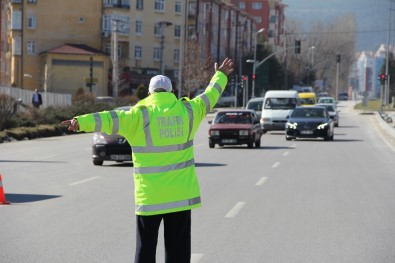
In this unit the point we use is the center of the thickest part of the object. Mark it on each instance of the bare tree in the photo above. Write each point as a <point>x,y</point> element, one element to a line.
<point>197,69</point>
<point>320,49</point>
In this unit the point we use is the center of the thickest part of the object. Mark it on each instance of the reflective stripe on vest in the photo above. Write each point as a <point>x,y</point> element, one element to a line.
<point>115,121</point>
<point>164,168</point>
<point>206,99</point>
<point>191,118</point>
<point>171,205</point>
<point>148,136</point>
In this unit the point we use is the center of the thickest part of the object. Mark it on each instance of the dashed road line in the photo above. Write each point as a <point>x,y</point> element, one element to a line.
<point>276,164</point>
<point>286,153</point>
<point>235,210</point>
<point>261,181</point>
<point>84,181</point>
<point>195,258</point>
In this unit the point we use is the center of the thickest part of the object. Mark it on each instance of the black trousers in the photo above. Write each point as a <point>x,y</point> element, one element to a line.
<point>177,236</point>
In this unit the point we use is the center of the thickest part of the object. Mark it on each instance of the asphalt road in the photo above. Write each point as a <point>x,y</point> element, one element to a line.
<point>288,201</point>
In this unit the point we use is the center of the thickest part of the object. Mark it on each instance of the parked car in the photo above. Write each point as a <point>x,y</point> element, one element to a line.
<point>235,127</point>
<point>309,122</point>
<point>110,147</point>
<point>255,104</point>
<point>333,113</point>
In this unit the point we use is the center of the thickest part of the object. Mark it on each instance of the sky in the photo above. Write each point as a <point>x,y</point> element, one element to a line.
<point>372,17</point>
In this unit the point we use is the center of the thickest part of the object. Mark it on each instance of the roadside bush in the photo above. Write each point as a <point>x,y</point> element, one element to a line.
<point>7,110</point>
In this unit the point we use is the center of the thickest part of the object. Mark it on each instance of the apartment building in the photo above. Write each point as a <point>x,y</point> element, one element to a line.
<point>268,14</point>
<point>61,46</point>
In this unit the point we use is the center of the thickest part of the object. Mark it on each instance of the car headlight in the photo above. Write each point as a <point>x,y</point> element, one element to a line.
<point>214,133</point>
<point>322,126</point>
<point>243,132</point>
<point>291,125</point>
<point>98,138</point>
<point>265,120</point>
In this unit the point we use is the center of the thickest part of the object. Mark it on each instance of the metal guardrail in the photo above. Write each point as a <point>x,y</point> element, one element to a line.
<point>49,98</point>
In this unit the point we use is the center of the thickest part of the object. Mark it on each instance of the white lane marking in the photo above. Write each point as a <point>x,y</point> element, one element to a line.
<point>84,181</point>
<point>286,153</point>
<point>195,258</point>
<point>198,145</point>
<point>276,164</point>
<point>235,210</point>
<point>261,181</point>
<point>293,146</point>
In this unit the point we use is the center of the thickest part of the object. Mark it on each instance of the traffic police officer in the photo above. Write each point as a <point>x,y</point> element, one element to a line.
<point>160,130</point>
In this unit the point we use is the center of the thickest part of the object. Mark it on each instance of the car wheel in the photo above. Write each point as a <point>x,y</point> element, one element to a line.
<point>336,124</point>
<point>288,138</point>
<point>258,143</point>
<point>250,145</point>
<point>211,145</point>
<point>97,162</point>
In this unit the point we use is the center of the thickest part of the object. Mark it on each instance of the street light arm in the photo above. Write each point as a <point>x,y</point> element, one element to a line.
<point>271,55</point>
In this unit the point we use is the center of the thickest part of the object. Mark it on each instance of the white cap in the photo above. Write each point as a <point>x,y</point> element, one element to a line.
<point>160,82</point>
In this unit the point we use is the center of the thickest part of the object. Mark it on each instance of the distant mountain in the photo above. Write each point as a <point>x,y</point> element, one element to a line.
<point>372,17</point>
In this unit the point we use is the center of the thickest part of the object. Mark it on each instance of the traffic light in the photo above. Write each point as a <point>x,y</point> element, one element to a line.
<point>297,46</point>
<point>338,58</point>
<point>253,76</point>
<point>382,78</point>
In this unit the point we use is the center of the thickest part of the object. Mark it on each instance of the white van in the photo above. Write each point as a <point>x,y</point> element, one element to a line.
<point>277,105</point>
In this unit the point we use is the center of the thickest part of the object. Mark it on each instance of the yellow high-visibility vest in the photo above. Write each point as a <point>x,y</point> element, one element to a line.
<point>160,130</point>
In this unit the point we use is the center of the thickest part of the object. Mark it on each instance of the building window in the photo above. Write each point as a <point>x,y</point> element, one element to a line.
<point>16,46</point>
<point>242,5</point>
<point>109,50</point>
<point>139,4</point>
<point>139,27</point>
<point>258,19</point>
<point>16,19</point>
<point>138,52</point>
<point>176,55</point>
<point>157,53</point>
<point>157,29</point>
<point>177,31</point>
<point>159,5</point>
<point>257,5</point>
<point>31,47</point>
<point>31,22</point>
<point>177,7</point>
<point>32,1</point>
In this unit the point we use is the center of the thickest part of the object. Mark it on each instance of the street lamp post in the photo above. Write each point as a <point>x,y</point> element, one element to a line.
<point>254,65</point>
<point>162,25</point>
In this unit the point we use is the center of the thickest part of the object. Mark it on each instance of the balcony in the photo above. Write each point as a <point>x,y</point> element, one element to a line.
<point>124,6</point>
<point>16,1</point>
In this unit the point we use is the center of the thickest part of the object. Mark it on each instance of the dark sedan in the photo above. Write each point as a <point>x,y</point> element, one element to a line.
<point>235,127</point>
<point>110,147</point>
<point>309,122</point>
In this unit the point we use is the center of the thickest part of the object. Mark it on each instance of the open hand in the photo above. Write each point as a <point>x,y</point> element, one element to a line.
<point>72,124</point>
<point>226,66</point>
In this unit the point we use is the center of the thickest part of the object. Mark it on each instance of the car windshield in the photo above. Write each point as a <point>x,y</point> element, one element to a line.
<point>255,105</point>
<point>309,113</point>
<point>329,108</point>
<point>233,117</point>
<point>326,100</point>
<point>309,101</point>
<point>280,103</point>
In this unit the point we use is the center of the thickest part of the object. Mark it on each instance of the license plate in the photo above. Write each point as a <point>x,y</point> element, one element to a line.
<point>120,157</point>
<point>229,140</point>
<point>306,132</point>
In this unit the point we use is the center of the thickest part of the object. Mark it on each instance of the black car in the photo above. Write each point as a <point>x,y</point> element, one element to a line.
<point>235,127</point>
<point>110,147</point>
<point>309,122</point>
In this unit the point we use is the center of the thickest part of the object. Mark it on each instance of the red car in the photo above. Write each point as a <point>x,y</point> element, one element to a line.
<point>235,127</point>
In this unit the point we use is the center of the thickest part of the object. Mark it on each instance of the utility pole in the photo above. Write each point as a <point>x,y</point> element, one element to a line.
<point>115,73</point>
<point>338,57</point>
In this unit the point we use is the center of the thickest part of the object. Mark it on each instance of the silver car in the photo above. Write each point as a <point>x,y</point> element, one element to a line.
<point>333,113</point>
